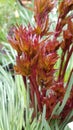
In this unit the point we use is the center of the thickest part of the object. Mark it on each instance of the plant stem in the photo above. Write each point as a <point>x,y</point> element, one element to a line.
<point>58,29</point>
<point>34,84</point>
<point>24,79</point>
<point>32,90</point>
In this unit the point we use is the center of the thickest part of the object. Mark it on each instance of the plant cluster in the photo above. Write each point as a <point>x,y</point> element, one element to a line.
<point>37,54</point>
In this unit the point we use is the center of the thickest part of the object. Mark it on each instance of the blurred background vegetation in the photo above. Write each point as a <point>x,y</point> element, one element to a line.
<point>12,13</point>
<point>12,92</point>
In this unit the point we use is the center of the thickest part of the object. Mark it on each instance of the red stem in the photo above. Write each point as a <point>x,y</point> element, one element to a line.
<point>32,94</point>
<point>66,63</point>
<point>32,90</point>
<point>58,29</point>
<point>34,84</point>
<point>24,79</point>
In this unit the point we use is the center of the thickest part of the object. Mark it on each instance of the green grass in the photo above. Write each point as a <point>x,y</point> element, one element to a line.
<point>12,103</point>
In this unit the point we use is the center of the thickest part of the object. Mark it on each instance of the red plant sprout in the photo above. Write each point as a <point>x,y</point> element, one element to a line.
<point>37,57</point>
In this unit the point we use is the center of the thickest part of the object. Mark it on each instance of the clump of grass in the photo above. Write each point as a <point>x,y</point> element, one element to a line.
<point>11,101</point>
